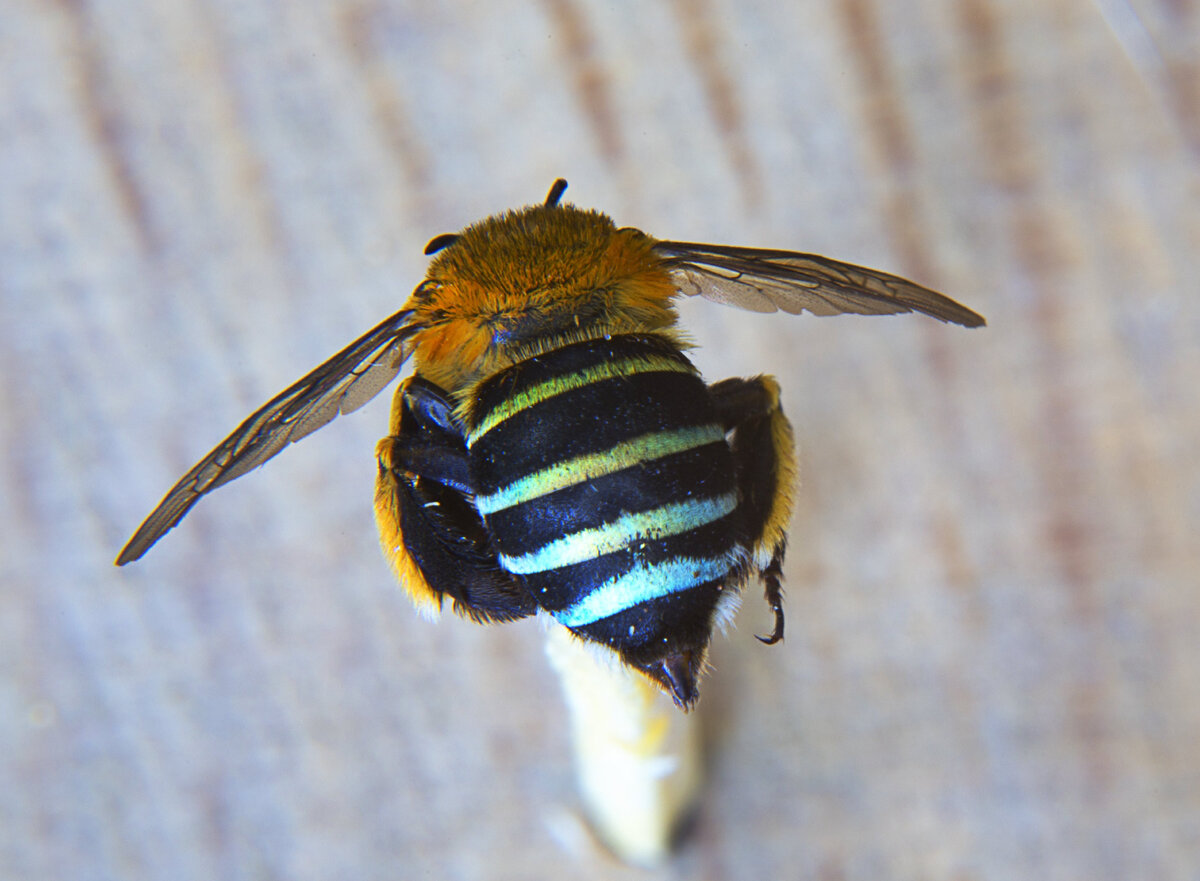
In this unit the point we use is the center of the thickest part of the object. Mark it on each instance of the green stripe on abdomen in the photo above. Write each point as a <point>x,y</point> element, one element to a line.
<point>551,388</point>
<point>665,521</point>
<point>626,454</point>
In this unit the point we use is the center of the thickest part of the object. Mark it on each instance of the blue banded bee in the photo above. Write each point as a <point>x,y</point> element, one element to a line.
<point>554,449</point>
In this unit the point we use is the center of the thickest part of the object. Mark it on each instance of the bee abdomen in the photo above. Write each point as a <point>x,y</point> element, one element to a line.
<point>604,475</point>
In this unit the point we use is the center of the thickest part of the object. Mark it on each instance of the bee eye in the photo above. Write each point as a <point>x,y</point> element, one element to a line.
<point>438,242</point>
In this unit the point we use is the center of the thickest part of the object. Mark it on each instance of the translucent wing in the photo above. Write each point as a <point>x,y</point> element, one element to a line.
<point>343,383</point>
<point>763,281</point>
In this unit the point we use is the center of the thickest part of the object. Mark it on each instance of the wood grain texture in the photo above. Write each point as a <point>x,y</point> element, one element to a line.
<point>992,668</point>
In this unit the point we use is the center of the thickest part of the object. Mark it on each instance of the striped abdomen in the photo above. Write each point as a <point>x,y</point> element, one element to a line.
<point>604,476</point>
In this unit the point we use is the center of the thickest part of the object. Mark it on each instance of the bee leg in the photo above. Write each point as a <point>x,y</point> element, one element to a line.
<point>429,528</point>
<point>772,577</point>
<point>427,407</point>
<point>765,458</point>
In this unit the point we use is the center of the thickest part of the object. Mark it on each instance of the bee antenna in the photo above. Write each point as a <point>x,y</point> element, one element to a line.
<point>556,191</point>
<point>443,241</point>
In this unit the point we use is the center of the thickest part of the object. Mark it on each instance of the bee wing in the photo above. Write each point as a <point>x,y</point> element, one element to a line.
<point>763,281</point>
<point>343,383</point>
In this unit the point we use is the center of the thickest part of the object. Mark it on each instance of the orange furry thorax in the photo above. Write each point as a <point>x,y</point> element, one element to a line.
<point>526,281</point>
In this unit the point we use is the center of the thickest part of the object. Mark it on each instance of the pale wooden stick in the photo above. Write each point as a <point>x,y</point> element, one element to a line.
<point>637,755</point>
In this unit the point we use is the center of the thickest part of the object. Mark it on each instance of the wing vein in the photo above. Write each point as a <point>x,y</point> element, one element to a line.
<point>341,384</point>
<point>764,280</point>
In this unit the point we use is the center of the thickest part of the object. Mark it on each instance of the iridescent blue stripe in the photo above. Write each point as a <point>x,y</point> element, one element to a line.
<point>644,583</point>
<point>588,544</point>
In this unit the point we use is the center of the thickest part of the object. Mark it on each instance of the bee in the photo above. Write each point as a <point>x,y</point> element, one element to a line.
<point>553,449</point>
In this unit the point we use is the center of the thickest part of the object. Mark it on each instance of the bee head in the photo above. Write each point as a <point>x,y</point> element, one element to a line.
<point>533,278</point>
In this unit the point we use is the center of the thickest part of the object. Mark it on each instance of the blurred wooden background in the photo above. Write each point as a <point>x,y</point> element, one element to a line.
<point>992,668</point>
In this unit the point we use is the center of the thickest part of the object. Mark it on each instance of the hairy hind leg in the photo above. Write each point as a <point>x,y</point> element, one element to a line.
<point>765,457</point>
